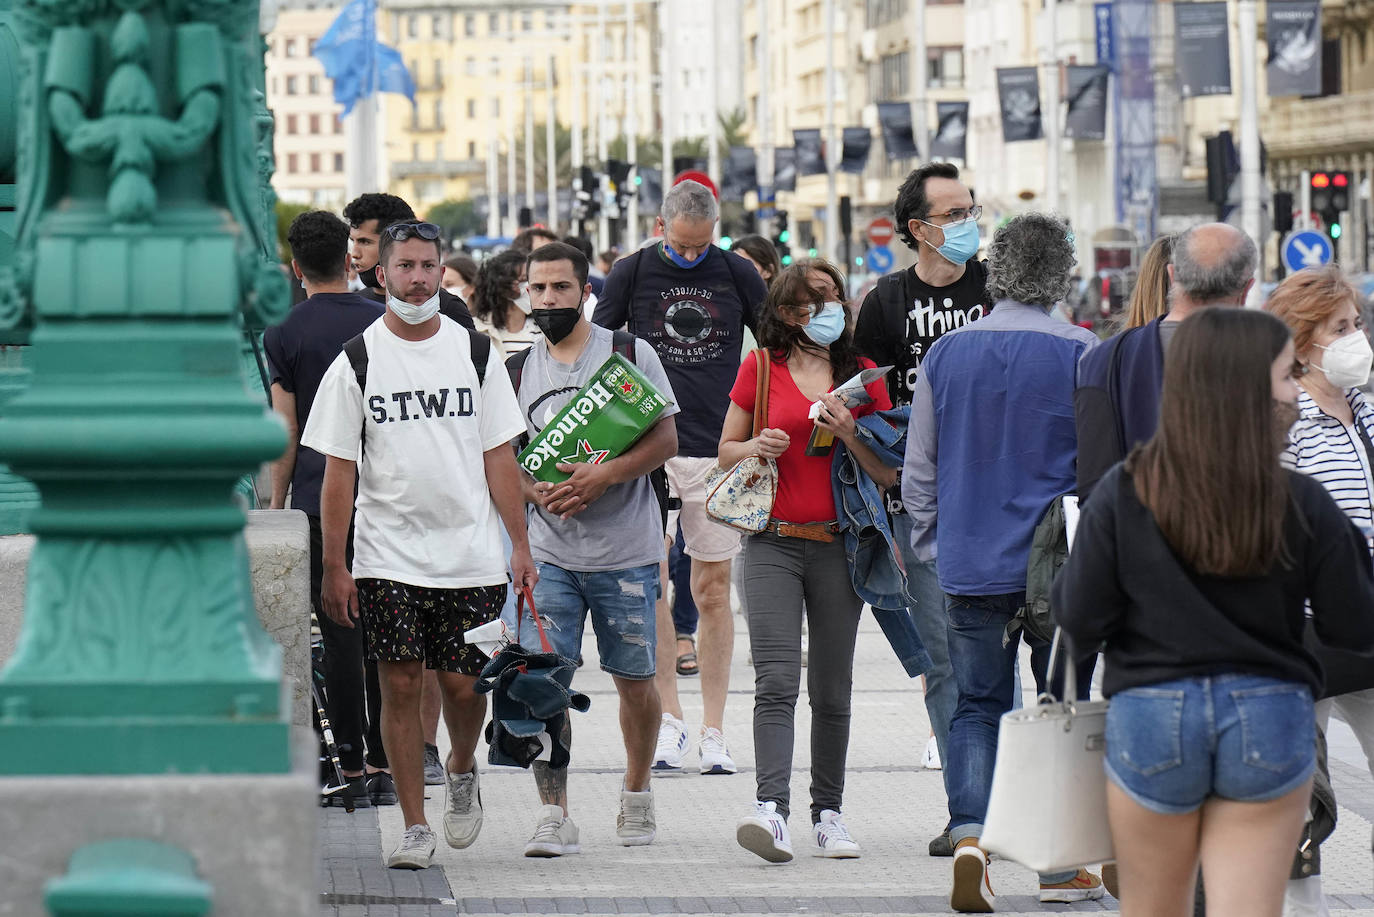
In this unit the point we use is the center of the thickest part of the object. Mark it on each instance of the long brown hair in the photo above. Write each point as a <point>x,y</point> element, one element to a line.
<point>1211,474</point>
<point>790,289</point>
<point>1150,297</point>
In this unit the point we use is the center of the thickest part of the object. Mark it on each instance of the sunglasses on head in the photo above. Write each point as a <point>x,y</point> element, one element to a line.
<point>399,232</point>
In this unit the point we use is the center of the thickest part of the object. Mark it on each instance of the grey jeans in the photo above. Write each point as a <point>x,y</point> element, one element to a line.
<point>779,574</point>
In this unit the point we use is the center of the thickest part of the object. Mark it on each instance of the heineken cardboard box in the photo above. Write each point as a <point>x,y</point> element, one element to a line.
<point>610,413</point>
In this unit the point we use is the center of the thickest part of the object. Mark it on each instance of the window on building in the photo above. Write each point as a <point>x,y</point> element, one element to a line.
<point>527,21</point>
<point>439,72</point>
<point>414,118</point>
<point>470,25</point>
<point>292,162</point>
<point>338,162</point>
<point>439,114</point>
<point>470,66</point>
<point>472,149</point>
<point>496,108</point>
<point>945,67</point>
<point>309,47</point>
<point>290,124</point>
<point>338,124</point>
<point>315,163</point>
<point>314,84</point>
<point>493,23</point>
<point>290,47</point>
<point>415,152</point>
<point>894,75</point>
<point>472,108</point>
<point>436,25</point>
<point>548,19</point>
<point>494,66</point>
<point>314,124</point>
<point>290,85</point>
<point>414,67</point>
<point>438,151</point>
<point>412,26</point>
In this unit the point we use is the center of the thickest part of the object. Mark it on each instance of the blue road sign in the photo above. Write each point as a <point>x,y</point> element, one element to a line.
<point>1305,248</point>
<point>879,259</point>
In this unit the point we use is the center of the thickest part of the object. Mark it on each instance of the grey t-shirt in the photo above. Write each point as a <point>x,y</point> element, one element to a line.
<point>622,529</point>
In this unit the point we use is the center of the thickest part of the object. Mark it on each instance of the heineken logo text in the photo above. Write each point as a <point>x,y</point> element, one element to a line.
<point>565,427</point>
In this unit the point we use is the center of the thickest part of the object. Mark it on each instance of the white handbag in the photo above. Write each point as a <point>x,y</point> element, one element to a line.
<point>742,496</point>
<point>1048,806</point>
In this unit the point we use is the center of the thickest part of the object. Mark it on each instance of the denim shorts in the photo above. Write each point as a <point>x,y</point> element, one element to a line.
<point>621,603</point>
<point>1246,738</point>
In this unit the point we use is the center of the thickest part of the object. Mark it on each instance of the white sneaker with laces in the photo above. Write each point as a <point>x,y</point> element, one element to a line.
<point>463,815</point>
<point>932,762</point>
<point>715,756</point>
<point>415,851</point>
<point>672,742</point>
<point>554,836</point>
<point>764,832</point>
<point>832,837</point>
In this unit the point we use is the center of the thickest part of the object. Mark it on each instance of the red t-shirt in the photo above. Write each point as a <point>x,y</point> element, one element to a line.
<point>804,493</point>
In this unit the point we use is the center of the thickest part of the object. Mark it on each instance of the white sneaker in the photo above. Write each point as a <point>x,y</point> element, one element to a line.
<point>672,742</point>
<point>764,832</point>
<point>554,836</point>
<point>463,815</point>
<point>832,837</point>
<point>635,825</point>
<point>932,762</point>
<point>415,851</point>
<point>715,756</point>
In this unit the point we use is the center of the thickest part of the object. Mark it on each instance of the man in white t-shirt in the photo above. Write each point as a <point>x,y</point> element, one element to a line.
<point>431,436</point>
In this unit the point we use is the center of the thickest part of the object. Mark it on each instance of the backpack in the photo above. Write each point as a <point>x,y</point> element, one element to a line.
<point>1048,553</point>
<point>623,343</point>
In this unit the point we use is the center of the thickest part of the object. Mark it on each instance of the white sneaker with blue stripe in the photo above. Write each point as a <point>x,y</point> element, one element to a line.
<point>832,837</point>
<point>764,832</point>
<point>672,743</point>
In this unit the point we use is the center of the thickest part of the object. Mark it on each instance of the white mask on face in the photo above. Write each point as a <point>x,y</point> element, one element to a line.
<point>1346,361</point>
<point>411,314</point>
<point>522,302</point>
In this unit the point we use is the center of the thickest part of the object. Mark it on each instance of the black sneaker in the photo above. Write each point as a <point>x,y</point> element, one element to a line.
<point>358,787</point>
<point>434,768</point>
<point>382,789</point>
<point>941,846</point>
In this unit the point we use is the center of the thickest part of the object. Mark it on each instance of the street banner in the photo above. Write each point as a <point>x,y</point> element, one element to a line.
<point>1087,92</point>
<point>1203,55</point>
<point>1294,32</point>
<point>857,142</point>
<point>898,141</point>
<point>810,153</point>
<point>650,188</point>
<point>606,417</point>
<point>784,168</point>
<point>1104,35</point>
<point>1018,93</point>
<point>951,132</point>
<point>741,174</point>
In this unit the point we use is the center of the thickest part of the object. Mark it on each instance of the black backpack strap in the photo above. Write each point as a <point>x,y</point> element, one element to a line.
<point>356,349</point>
<point>515,368</point>
<point>481,352</point>
<point>623,343</point>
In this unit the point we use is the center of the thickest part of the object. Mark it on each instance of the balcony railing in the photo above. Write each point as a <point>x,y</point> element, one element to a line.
<point>1313,127</point>
<point>445,168</point>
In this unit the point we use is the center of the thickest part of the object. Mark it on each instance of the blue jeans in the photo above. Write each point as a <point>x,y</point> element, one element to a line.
<point>1243,737</point>
<point>621,603</point>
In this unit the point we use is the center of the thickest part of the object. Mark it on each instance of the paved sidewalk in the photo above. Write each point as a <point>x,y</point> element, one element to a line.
<point>892,805</point>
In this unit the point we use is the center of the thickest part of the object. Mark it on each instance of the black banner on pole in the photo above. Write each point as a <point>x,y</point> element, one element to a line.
<point>810,154</point>
<point>857,142</point>
<point>898,141</point>
<point>784,168</point>
<point>1087,92</point>
<point>1203,55</point>
<point>741,174</point>
<point>1018,92</point>
<point>1293,29</point>
<point>951,134</point>
<point>650,188</point>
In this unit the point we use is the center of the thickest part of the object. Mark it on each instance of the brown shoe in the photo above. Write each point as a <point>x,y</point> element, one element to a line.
<point>972,892</point>
<point>1111,880</point>
<point>1084,886</point>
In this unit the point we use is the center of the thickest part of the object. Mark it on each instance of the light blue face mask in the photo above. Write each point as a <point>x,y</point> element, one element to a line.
<point>680,261</point>
<point>827,325</point>
<point>961,241</point>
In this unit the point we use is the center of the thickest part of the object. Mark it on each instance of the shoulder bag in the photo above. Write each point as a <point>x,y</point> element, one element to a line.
<point>742,496</point>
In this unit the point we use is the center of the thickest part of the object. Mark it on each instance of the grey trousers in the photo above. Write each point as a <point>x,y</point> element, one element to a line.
<point>779,573</point>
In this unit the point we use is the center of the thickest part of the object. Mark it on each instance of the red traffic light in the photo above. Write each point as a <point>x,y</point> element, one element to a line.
<point>1321,180</point>
<point>1340,180</point>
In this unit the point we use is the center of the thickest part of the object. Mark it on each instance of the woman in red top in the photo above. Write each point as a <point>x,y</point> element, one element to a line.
<point>799,560</point>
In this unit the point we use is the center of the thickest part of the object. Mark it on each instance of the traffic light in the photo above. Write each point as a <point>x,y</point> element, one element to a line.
<point>1223,165</point>
<point>1283,212</point>
<point>1330,198</point>
<point>782,236</point>
<point>588,199</point>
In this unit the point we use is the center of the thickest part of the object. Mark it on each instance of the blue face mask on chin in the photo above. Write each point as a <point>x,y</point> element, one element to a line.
<point>961,241</point>
<point>680,261</point>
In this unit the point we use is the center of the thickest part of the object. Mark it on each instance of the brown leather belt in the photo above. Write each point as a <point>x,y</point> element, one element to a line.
<point>815,531</point>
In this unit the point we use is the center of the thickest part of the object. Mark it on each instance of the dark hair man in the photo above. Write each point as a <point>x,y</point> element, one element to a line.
<point>692,301</point>
<point>299,350</point>
<point>900,319</point>
<point>368,215</point>
<point>596,538</point>
<point>527,240</point>
<point>427,438</point>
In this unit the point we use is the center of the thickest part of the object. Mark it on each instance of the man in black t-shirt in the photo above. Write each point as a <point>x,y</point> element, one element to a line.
<point>904,314</point>
<point>692,301</point>
<point>299,350</point>
<point>369,215</point>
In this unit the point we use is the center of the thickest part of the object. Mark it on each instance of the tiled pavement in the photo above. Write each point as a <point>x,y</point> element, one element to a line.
<point>892,805</point>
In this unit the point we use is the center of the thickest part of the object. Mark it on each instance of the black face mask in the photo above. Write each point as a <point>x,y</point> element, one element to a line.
<point>556,323</point>
<point>369,278</point>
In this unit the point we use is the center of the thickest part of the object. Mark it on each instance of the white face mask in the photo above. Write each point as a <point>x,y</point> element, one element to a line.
<point>522,302</point>
<point>413,315</point>
<point>1347,360</point>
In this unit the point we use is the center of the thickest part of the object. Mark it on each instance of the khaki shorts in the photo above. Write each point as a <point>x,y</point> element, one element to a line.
<point>702,537</point>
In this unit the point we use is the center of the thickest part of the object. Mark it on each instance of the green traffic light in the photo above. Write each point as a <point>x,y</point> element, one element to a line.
<point>726,242</point>
<point>811,253</point>
<point>639,179</point>
<point>1335,230</point>
<point>858,262</point>
<point>786,260</point>
<point>785,236</point>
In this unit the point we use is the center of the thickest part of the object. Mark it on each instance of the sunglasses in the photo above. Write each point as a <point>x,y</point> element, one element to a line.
<point>399,232</point>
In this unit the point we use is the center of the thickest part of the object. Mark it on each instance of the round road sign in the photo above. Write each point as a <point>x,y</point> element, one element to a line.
<point>881,231</point>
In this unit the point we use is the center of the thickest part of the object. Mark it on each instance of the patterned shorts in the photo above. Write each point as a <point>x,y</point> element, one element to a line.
<point>406,623</point>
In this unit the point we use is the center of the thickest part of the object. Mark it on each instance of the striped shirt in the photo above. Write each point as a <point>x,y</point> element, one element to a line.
<point>1323,448</point>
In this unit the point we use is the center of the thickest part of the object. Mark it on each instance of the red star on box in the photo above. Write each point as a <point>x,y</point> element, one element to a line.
<point>627,387</point>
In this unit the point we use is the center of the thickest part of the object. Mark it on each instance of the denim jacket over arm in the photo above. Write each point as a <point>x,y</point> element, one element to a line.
<point>877,574</point>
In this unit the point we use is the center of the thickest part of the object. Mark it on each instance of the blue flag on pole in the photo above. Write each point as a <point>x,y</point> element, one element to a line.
<point>358,64</point>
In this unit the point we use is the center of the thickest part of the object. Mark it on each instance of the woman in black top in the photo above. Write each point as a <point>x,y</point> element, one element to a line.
<point>1193,562</point>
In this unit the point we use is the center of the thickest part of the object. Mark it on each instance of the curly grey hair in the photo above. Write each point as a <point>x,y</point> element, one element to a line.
<point>689,200</point>
<point>1030,260</point>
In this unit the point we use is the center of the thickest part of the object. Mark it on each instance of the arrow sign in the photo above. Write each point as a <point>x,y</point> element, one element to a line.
<point>879,259</point>
<point>1305,248</point>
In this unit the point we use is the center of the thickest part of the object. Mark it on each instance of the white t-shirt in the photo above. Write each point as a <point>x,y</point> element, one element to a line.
<point>425,515</point>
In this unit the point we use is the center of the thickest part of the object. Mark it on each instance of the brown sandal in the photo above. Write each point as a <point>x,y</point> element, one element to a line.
<point>687,662</point>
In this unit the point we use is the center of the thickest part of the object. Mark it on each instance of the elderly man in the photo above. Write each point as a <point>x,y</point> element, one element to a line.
<point>692,301</point>
<point>990,447</point>
<point>1117,402</point>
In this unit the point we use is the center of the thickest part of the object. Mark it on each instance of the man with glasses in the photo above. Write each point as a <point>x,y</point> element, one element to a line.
<point>426,433</point>
<point>901,318</point>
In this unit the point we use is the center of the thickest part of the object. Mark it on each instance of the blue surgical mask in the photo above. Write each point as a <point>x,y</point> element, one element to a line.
<point>961,241</point>
<point>827,325</point>
<point>680,261</point>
